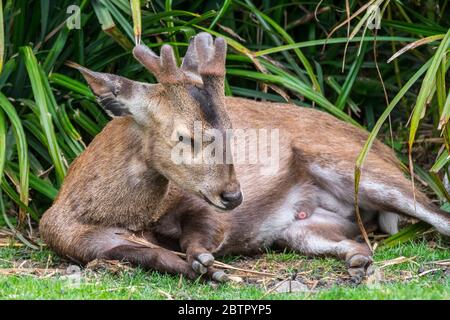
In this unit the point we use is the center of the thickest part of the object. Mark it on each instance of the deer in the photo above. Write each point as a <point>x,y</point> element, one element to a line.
<point>125,180</point>
<point>125,183</point>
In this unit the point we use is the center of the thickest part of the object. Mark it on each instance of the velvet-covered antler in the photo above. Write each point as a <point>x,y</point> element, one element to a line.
<point>211,56</point>
<point>206,58</point>
<point>164,67</point>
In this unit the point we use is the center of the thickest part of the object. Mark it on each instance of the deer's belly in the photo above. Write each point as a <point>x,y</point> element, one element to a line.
<point>260,223</point>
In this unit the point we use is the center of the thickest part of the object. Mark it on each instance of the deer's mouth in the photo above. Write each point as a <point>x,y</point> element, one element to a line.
<point>210,202</point>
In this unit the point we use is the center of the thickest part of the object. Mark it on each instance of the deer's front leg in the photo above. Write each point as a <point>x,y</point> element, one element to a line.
<point>112,244</point>
<point>85,242</point>
<point>158,259</point>
<point>201,234</point>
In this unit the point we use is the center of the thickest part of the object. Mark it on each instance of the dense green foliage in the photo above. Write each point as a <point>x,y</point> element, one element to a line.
<point>279,51</point>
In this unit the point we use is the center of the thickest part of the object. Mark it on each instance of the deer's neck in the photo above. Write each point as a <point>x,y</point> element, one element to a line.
<point>146,188</point>
<point>158,192</point>
<point>147,183</point>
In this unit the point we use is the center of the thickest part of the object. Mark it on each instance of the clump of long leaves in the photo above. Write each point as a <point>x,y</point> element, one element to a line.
<point>314,56</point>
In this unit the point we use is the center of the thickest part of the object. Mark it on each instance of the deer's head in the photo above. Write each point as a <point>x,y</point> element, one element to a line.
<point>167,111</point>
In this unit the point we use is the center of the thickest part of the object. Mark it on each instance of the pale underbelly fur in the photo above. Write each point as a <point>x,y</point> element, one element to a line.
<point>304,206</point>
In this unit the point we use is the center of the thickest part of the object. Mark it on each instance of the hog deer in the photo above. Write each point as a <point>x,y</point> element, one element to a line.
<point>125,180</point>
<point>126,183</point>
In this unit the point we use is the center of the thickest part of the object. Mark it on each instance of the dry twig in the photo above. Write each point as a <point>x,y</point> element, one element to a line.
<point>133,238</point>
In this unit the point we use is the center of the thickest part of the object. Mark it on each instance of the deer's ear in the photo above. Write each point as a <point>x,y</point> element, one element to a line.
<point>120,96</point>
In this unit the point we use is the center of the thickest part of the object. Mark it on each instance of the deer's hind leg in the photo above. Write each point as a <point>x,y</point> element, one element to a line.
<point>326,233</point>
<point>384,188</point>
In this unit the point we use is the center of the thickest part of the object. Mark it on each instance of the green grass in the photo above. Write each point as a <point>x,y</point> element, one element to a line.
<point>329,274</point>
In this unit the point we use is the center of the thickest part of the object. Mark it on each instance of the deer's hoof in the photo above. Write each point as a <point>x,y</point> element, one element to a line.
<point>220,276</point>
<point>359,261</point>
<point>359,267</point>
<point>198,267</point>
<point>206,259</point>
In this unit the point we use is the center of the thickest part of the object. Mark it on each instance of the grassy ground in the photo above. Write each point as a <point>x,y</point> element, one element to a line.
<point>38,275</point>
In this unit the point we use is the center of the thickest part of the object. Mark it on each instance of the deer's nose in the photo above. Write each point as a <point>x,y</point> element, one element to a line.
<point>231,199</point>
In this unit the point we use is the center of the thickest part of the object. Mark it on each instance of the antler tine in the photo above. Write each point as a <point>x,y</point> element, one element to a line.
<point>203,44</point>
<point>190,61</point>
<point>168,63</point>
<point>190,64</point>
<point>220,53</point>
<point>147,58</point>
